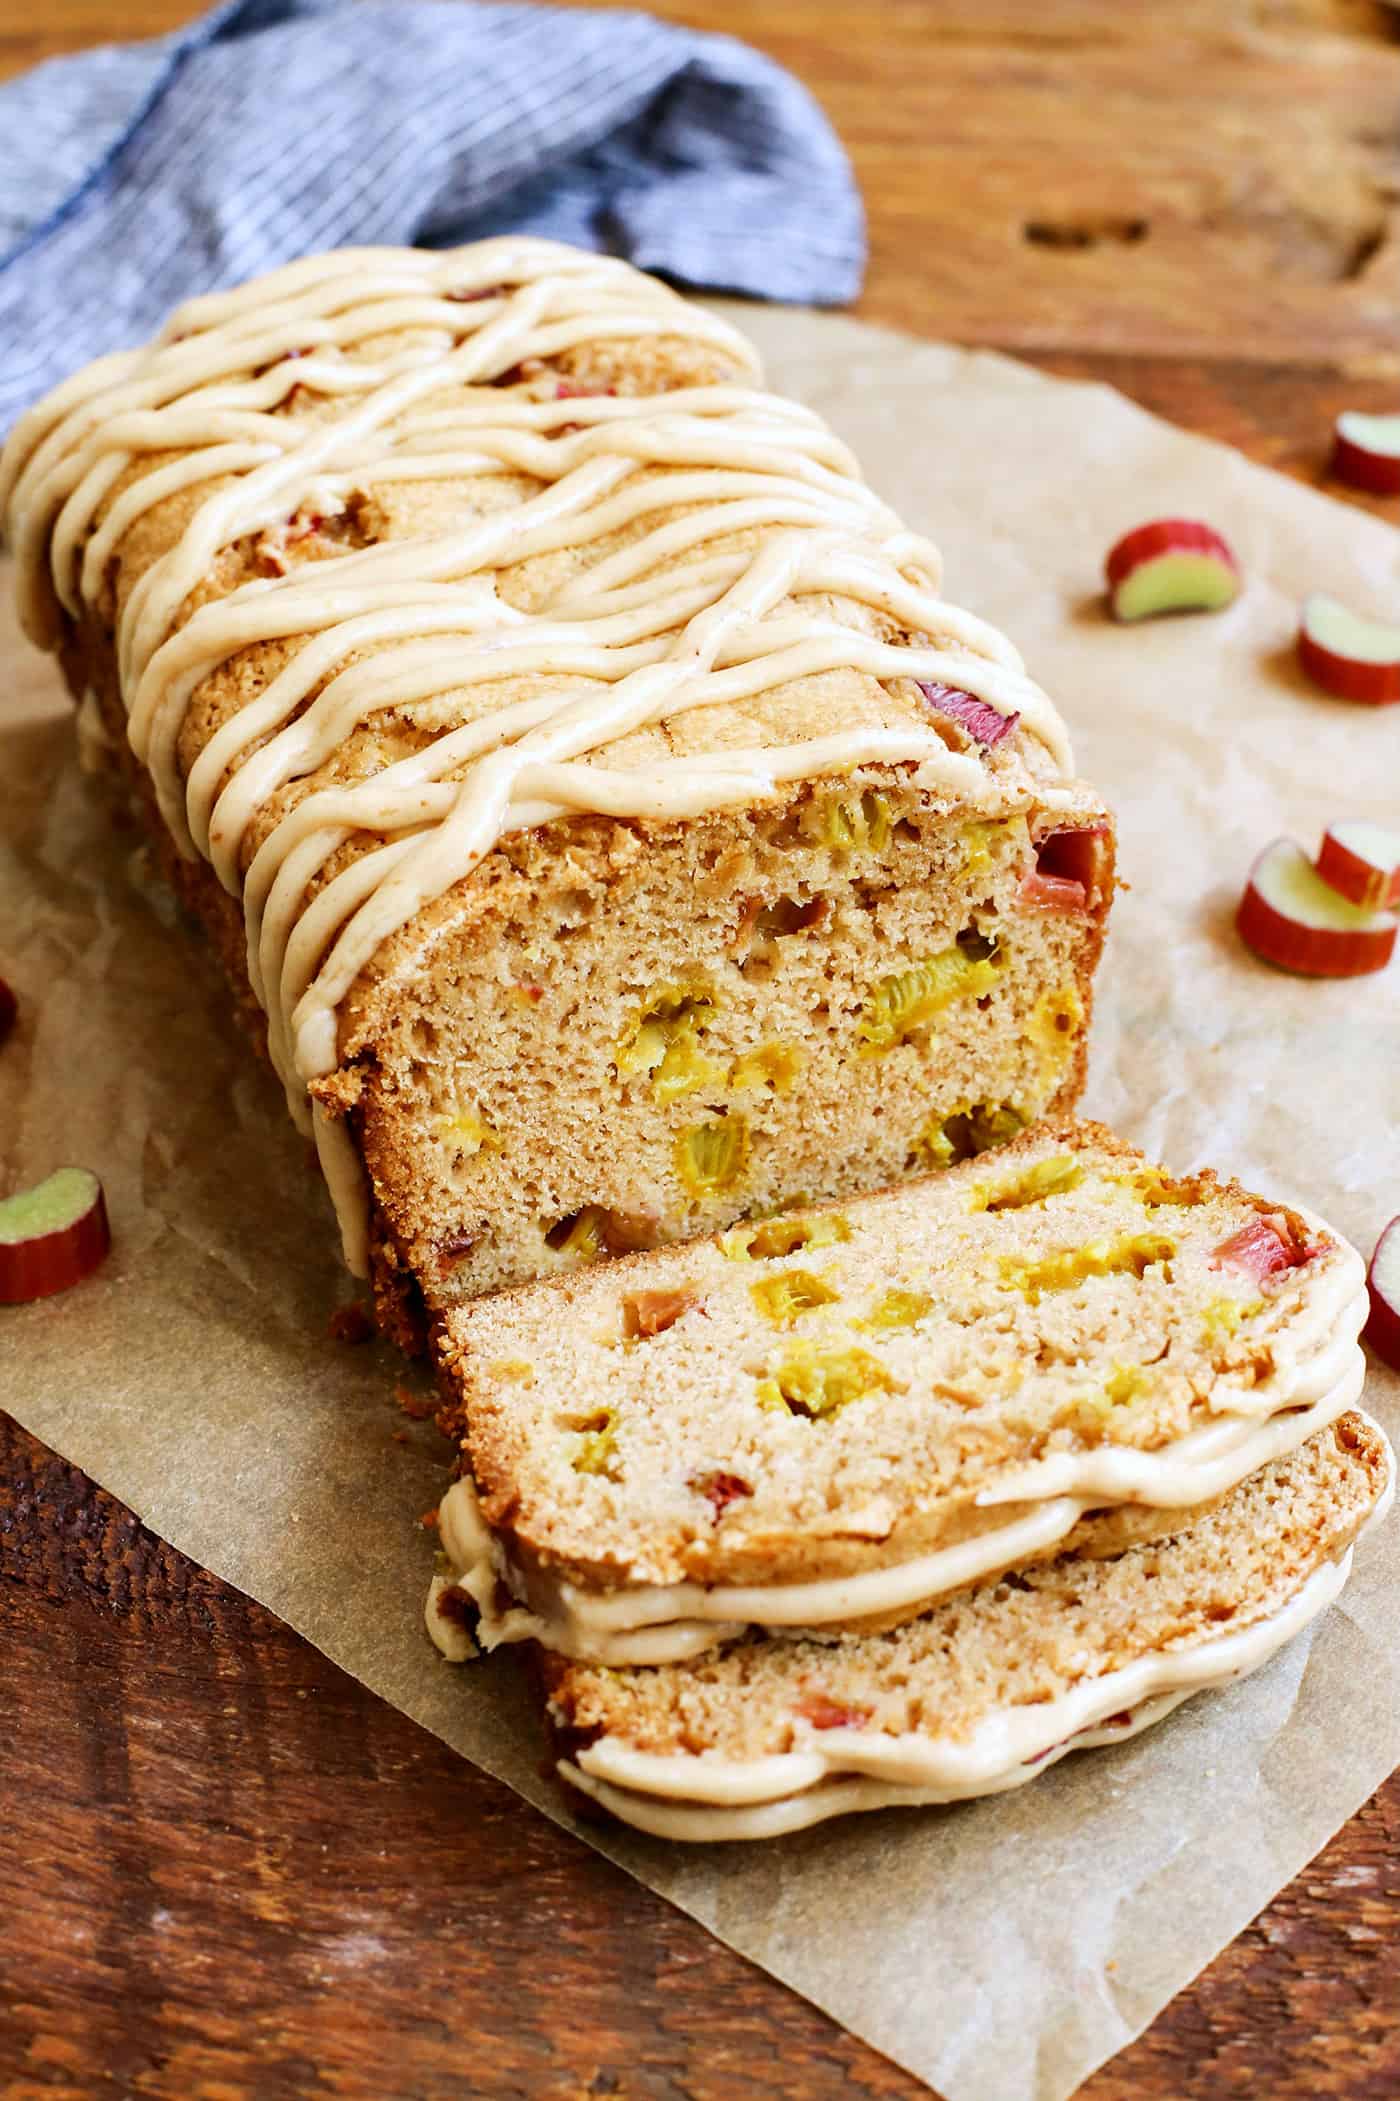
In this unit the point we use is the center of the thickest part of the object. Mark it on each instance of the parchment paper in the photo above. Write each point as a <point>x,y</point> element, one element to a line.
<point>1001,1950</point>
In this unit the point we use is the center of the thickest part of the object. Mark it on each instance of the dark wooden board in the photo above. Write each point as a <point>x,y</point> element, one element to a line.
<point>232,1875</point>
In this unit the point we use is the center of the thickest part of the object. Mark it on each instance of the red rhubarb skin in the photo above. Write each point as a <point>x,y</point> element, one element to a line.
<point>1361,468</point>
<point>1076,855</point>
<point>1053,893</point>
<point>1359,881</point>
<point>54,1262</point>
<point>1310,951</point>
<point>1261,1250</point>
<point>9,1010</point>
<point>822,1712</point>
<point>985,724</point>
<point>1375,684</point>
<point>1382,1328</point>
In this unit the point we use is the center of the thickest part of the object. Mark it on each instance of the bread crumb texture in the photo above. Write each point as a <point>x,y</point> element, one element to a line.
<point>865,1370</point>
<point>1016,1642</point>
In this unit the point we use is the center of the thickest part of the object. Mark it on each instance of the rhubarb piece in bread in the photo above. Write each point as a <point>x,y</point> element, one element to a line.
<point>568,754</point>
<point>989,1688</point>
<point>832,1417</point>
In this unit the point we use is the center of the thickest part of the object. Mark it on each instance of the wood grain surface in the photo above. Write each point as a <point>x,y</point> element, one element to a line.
<point>229,1874</point>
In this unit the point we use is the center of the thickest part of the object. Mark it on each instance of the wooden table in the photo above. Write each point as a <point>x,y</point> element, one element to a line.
<point>229,1872</point>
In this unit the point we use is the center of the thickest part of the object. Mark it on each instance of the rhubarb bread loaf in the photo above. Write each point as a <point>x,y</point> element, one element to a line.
<point>989,1688</point>
<point>829,1418</point>
<point>606,823</point>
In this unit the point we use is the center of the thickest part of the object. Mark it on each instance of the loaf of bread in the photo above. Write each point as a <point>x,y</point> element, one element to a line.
<point>602,819</point>
<point>989,1688</point>
<point>830,1418</point>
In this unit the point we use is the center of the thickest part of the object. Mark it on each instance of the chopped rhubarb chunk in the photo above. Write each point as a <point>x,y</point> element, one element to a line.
<point>822,1712</point>
<point>1079,855</point>
<point>1295,920</point>
<point>646,1313</point>
<point>1347,654</point>
<point>720,1490</point>
<point>1052,893</point>
<point>1366,452</point>
<point>9,1010</point>
<point>629,1232</point>
<point>1361,862</point>
<point>52,1236</point>
<point>1261,1250</point>
<point>1173,565</point>
<point>985,724</point>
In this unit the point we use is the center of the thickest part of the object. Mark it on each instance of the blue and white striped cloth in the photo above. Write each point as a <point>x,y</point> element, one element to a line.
<point>134,175</point>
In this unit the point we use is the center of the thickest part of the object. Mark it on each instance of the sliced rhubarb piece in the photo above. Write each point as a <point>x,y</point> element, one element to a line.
<point>9,1010</point>
<point>648,1313</point>
<point>1069,870</point>
<point>1383,1286</point>
<point>1361,862</point>
<point>1347,654</point>
<point>720,1490</point>
<point>985,724</point>
<point>1290,917</point>
<point>1052,893</point>
<point>1366,452</point>
<point>820,1711</point>
<point>1261,1250</point>
<point>1172,565</point>
<point>51,1236</point>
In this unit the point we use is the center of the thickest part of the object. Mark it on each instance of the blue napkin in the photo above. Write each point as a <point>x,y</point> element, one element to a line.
<point>134,175</point>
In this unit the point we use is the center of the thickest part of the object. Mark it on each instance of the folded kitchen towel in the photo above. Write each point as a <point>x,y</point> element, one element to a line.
<point>132,176</point>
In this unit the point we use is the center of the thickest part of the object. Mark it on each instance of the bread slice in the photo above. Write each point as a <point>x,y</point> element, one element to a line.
<point>828,1419</point>
<point>989,1688</point>
<point>796,846</point>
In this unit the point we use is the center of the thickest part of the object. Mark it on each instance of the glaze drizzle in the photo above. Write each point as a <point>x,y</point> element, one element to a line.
<point>729,517</point>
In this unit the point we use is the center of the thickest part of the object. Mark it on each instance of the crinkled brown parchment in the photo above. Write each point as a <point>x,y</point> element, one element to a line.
<point>999,1950</point>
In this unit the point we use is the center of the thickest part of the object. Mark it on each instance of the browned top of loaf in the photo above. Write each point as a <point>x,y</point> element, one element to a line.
<point>1015,1642</point>
<point>709,1450</point>
<point>385,510</point>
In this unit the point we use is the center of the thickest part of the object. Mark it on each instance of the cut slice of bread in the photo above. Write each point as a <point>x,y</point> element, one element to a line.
<point>986,1690</point>
<point>832,1418</point>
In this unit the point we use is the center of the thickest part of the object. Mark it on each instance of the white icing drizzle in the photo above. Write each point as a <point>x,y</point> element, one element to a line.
<point>663,1623</point>
<point>675,618</point>
<point>707,1797</point>
<point>702,1822</point>
<point>448,1633</point>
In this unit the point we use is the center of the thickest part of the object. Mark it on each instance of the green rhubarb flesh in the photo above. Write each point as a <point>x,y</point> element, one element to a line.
<point>51,1207</point>
<point>1175,583</point>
